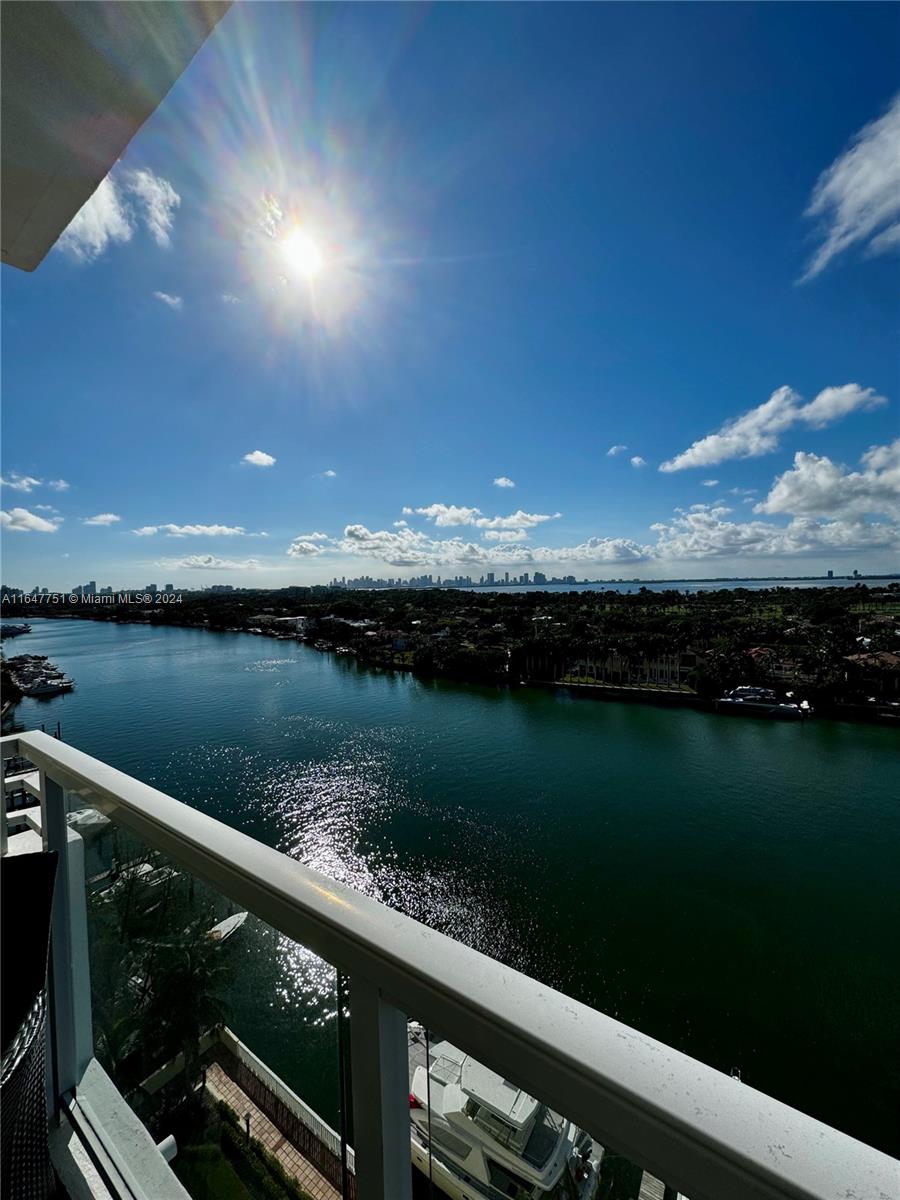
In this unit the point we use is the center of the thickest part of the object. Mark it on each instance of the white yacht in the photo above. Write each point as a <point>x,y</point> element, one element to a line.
<point>486,1138</point>
<point>48,685</point>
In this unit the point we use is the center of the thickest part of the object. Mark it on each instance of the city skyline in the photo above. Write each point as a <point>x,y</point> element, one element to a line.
<point>345,318</point>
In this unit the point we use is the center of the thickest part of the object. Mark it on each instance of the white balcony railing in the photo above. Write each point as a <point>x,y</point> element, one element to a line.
<point>711,1136</point>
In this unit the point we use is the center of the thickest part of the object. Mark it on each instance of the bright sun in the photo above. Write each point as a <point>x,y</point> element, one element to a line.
<point>302,254</point>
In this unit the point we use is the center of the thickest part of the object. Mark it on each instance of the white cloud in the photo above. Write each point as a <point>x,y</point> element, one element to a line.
<point>710,483</point>
<point>857,199</point>
<point>516,520</point>
<point>103,219</point>
<point>637,461</point>
<point>20,483</point>
<point>208,562</point>
<point>614,450</point>
<point>20,520</point>
<point>887,240</point>
<point>304,548</point>
<point>171,301</point>
<point>738,491</point>
<point>759,431</point>
<point>171,530</point>
<point>158,201</point>
<point>59,485</point>
<point>597,550</point>
<point>816,486</point>
<point>109,216</point>
<point>503,481</point>
<point>46,508</point>
<point>705,532</point>
<point>410,548</point>
<point>413,548</point>
<point>102,519</point>
<point>230,298</point>
<point>309,545</point>
<point>505,535</point>
<point>832,403</point>
<point>329,474</point>
<point>259,458</point>
<point>446,515</point>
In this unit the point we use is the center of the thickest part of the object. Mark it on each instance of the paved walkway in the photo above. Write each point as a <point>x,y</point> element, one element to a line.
<point>223,1087</point>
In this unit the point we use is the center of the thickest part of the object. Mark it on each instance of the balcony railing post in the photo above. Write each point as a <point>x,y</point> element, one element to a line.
<point>380,1078</point>
<point>3,830</point>
<point>71,1036</point>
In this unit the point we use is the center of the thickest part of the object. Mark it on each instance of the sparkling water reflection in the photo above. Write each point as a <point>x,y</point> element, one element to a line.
<point>728,886</point>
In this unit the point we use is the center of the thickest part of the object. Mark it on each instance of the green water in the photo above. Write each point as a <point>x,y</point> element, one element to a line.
<point>727,885</point>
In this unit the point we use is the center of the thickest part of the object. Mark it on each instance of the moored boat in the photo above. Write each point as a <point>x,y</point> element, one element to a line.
<point>224,929</point>
<point>480,1137</point>
<point>761,702</point>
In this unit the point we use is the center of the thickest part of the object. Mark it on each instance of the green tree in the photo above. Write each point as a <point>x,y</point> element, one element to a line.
<point>192,968</point>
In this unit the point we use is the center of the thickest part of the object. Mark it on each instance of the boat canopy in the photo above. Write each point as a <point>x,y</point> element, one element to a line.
<point>504,1099</point>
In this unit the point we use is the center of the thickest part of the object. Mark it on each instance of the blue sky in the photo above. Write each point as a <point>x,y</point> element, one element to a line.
<point>405,252</point>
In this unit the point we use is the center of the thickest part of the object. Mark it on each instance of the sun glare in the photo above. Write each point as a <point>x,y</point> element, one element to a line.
<point>302,255</point>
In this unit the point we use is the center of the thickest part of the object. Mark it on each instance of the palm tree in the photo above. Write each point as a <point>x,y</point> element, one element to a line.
<point>185,998</point>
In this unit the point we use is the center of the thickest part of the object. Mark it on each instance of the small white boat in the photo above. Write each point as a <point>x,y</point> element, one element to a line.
<point>224,929</point>
<point>480,1137</point>
<point>144,873</point>
<point>87,818</point>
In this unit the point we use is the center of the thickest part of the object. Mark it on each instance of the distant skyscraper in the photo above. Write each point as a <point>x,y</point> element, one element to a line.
<point>831,574</point>
<point>489,578</point>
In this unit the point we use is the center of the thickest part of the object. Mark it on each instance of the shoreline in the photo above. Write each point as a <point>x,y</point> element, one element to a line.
<point>620,693</point>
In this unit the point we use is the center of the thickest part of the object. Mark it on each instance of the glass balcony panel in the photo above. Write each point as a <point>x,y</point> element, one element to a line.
<point>475,1133</point>
<point>217,1029</point>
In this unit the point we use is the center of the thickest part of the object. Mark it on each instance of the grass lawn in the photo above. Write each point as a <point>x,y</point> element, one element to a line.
<point>208,1175</point>
<point>216,1162</point>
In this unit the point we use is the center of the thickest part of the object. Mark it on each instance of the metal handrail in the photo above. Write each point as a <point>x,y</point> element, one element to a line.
<point>704,1132</point>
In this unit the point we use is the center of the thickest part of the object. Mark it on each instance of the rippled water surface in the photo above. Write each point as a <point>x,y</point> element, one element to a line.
<point>727,885</point>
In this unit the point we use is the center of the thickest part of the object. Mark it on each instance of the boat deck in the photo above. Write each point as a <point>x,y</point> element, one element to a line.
<point>539,1144</point>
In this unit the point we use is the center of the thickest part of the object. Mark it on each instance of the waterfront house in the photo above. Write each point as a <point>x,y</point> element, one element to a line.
<point>874,672</point>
